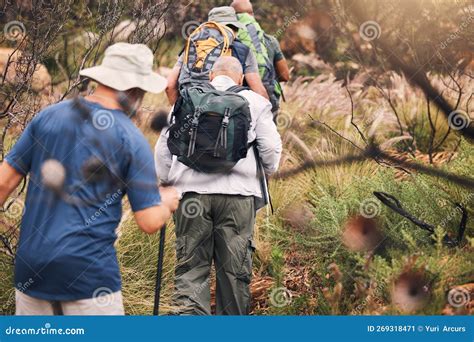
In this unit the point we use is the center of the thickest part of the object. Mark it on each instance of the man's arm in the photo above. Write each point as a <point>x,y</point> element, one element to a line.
<point>9,180</point>
<point>255,83</point>
<point>252,77</point>
<point>152,219</point>
<point>279,61</point>
<point>17,163</point>
<point>163,157</point>
<point>269,143</point>
<point>282,70</point>
<point>152,206</point>
<point>172,91</point>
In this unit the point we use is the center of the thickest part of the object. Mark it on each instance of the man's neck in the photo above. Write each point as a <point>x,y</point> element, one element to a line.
<point>223,78</point>
<point>104,96</point>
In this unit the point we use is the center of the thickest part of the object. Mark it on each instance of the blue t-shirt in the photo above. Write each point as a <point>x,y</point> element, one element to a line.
<point>66,246</point>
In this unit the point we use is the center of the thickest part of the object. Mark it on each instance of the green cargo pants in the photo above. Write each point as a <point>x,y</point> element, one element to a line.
<point>215,228</point>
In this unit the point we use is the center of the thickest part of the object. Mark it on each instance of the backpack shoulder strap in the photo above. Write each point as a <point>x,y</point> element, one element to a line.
<point>240,51</point>
<point>237,89</point>
<point>203,85</point>
<point>252,31</point>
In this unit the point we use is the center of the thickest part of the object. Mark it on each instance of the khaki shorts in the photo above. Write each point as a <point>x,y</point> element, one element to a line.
<point>110,304</point>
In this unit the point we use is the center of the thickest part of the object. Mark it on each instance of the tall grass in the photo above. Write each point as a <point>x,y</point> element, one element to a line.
<point>323,122</point>
<point>299,245</point>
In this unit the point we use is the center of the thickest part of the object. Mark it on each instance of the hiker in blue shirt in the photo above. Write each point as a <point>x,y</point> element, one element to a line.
<point>82,156</point>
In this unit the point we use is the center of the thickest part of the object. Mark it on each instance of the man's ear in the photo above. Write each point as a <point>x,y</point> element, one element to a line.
<point>135,94</point>
<point>241,82</point>
<point>135,98</point>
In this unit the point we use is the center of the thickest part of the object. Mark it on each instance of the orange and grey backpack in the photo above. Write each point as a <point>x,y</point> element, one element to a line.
<point>205,45</point>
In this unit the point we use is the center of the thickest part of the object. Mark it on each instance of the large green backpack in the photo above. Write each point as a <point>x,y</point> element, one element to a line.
<point>209,128</point>
<point>254,37</point>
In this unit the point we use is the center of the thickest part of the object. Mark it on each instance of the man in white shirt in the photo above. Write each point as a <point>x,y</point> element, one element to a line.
<point>216,216</point>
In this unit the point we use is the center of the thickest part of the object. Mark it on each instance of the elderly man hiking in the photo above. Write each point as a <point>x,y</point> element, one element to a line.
<point>213,39</point>
<point>273,67</point>
<point>213,153</point>
<point>82,156</point>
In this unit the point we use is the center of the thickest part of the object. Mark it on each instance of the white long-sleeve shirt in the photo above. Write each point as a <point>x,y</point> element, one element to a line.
<point>243,179</point>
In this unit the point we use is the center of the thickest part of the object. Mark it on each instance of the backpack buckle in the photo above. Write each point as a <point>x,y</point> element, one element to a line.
<point>225,121</point>
<point>197,114</point>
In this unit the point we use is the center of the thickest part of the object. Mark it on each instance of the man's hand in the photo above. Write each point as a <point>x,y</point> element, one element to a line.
<point>9,180</point>
<point>169,197</point>
<point>152,219</point>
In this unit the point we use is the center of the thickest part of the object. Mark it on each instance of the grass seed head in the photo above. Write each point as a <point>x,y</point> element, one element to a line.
<point>53,175</point>
<point>361,234</point>
<point>94,170</point>
<point>410,291</point>
<point>298,216</point>
<point>159,121</point>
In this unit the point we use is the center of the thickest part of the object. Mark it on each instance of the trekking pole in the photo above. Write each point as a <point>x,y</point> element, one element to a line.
<point>159,271</point>
<point>159,268</point>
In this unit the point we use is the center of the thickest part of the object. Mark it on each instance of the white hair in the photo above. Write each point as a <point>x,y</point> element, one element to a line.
<point>227,65</point>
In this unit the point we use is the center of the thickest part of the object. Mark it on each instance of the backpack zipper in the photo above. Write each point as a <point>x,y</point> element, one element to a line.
<point>194,125</point>
<point>222,136</point>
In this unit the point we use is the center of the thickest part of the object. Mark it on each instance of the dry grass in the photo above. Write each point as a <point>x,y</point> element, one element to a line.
<point>296,246</point>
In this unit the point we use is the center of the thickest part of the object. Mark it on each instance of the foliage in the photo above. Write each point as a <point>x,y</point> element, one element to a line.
<point>325,116</point>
